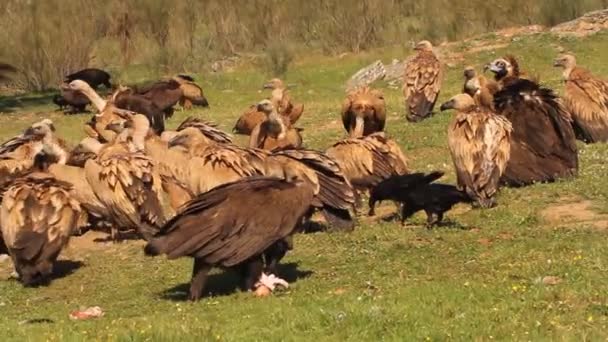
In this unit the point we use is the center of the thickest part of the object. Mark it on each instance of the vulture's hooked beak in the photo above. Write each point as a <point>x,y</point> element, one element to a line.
<point>268,86</point>
<point>447,105</point>
<point>177,140</point>
<point>557,63</point>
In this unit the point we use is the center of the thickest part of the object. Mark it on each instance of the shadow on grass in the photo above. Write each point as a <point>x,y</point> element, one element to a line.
<point>228,281</point>
<point>9,104</point>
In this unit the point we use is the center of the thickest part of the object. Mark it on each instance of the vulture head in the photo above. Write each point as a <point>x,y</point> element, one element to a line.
<point>189,138</point>
<point>41,129</point>
<point>460,102</point>
<point>469,73</point>
<point>274,83</point>
<point>503,67</point>
<point>567,62</point>
<point>364,104</point>
<point>424,45</point>
<point>266,107</point>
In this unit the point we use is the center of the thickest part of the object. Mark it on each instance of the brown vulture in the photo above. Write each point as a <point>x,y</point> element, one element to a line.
<point>192,92</point>
<point>586,98</point>
<point>38,215</point>
<point>480,144</point>
<point>163,94</point>
<point>72,98</point>
<point>422,82</point>
<point>364,112</point>
<point>231,227</point>
<point>543,146</point>
<point>334,196</point>
<point>479,88</point>
<point>209,129</point>
<point>368,160</point>
<point>127,182</point>
<point>273,133</point>
<point>211,164</point>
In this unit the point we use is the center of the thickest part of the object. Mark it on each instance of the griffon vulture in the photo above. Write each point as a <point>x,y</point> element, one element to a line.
<point>480,144</point>
<point>93,77</point>
<point>368,160</point>
<point>586,98</point>
<point>208,129</point>
<point>74,99</point>
<point>212,164</point>
<point>273,133</point>
<point>364,112</point>
<point>126,181</point>
<point>334,196</point>
<point>39,214</point>
<point>417,192</point>
<point>543,146</point>
<point>231,227</point>
<point>479,88</point>
<point>422,82</point>
<point>192,92</point>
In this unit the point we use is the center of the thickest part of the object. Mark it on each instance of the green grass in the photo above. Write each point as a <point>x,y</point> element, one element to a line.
<point>478,279</point>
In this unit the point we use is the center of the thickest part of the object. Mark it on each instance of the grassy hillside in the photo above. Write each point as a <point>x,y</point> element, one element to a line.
<point>480,278</point>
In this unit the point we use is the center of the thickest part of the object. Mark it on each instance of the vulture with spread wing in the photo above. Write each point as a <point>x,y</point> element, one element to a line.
<point>586,98</point>
<point>364,112</point>
<point>231,227</point>
<point>422,82</point>
<point>480,144</point>
<point>192,92</point>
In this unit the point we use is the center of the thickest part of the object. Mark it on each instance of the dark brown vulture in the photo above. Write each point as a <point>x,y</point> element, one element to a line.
<point>163,94</point>
<point>586,98</point>
<point>273,133</point>
<point>334,196</point>
<point>543,146</point>
<point>364,112</point>
<point>422,82</point>
<point>480,144</point>
<point>93,77</point>
<point>38,215</point>
<point>231,227</point>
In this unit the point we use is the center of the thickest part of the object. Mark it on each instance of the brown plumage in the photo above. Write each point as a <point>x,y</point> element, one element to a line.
<point>231,226</point>
<point>364,112</point>
<point>506,71</point>
<point>209,129</point>
<point>75,99</point>
<point>38,215</point>
<point>586,98</point>
<point>126,181</point>
<point>273,134</point>
<point>543,146</point>
<point>422,82</point>
<point>164,94</point>
<point>479,141</point>
<point>251,118</point>
<point>368,160</point>
<point>334,196</point>
<point>211,164</point>
<point>192,93</point>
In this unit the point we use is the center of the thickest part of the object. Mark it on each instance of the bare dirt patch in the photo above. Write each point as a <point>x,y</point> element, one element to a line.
<point>581,212</point>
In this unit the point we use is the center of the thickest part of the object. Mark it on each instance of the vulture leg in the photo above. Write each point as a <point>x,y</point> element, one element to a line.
<point>252,272</point>
<point>274,254</point>
<point>199,278</point>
